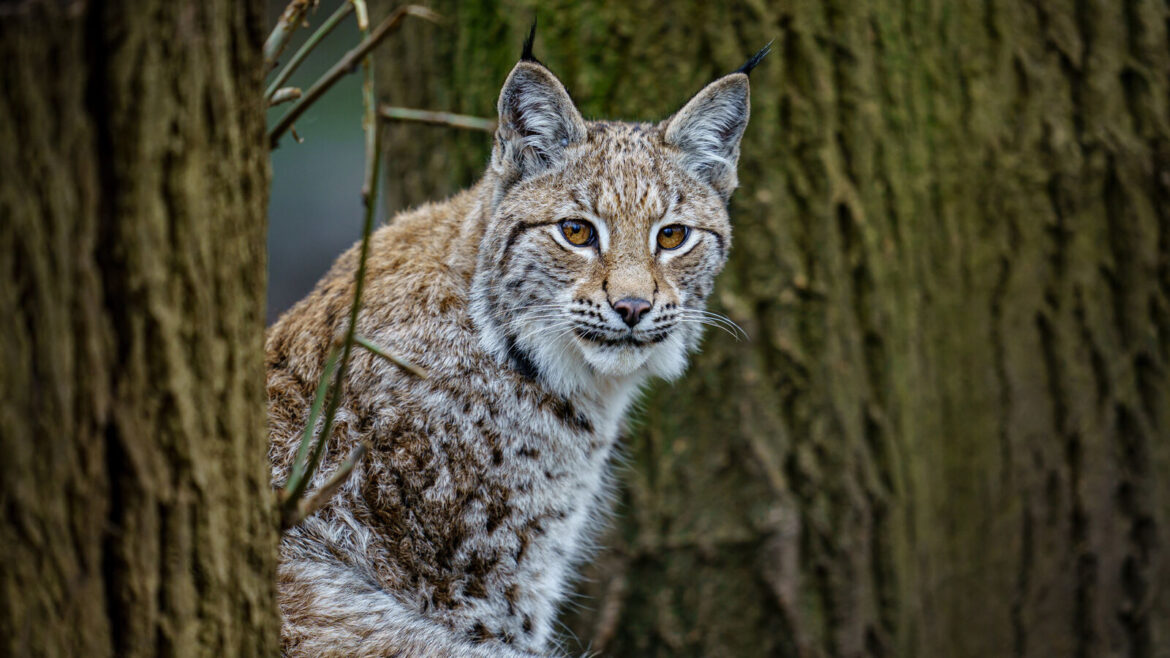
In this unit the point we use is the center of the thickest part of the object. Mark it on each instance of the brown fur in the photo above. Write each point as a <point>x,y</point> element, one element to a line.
<point>458,533</point>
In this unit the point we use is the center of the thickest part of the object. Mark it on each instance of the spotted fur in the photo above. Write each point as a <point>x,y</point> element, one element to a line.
<point>460,531</point>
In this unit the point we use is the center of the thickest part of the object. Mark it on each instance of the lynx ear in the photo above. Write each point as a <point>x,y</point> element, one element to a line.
<point>708,128</point>
<point>707,131</point>
<point>537,122</point>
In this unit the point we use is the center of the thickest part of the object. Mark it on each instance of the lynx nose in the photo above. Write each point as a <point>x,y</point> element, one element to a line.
<point>631,309</point>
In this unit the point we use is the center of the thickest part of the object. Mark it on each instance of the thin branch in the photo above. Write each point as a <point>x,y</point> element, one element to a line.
<point>291,19</point>
<point>346,64</point>
<point>309,506</point>
<point>363,16</point>
<point>296,488</point>
<point>464,121</point>
<point>323,31</point>
<point>284,95</point>
<point>297,473</point>
<point>370,126</point>
<point>380,351</point>
<point>291,504</point>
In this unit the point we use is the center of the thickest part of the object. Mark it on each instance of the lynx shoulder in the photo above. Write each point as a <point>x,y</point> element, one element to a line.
<point>538,301</point>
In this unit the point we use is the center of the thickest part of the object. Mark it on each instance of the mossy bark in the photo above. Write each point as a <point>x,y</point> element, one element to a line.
<point>138,516</point>
<point>949,433</point>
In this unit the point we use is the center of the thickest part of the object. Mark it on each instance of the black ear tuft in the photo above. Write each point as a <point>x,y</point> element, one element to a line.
<point>747,67</point>
<point>526,54</point>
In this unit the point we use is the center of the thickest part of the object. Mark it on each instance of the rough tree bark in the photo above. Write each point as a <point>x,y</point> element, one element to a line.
<point>945,435</point>
<point>138,516</point>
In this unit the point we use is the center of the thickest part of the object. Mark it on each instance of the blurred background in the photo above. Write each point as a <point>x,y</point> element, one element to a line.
<point>948,433</point>
<point>315,210</point>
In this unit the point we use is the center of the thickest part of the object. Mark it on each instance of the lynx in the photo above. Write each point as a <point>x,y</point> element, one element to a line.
<point>539,301</point>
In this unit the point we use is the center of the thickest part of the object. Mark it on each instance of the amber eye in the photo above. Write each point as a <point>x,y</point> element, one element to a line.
<point>578,232</point>
<point>670,237</point>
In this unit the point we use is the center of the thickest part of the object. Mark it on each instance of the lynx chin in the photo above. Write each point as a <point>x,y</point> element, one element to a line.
<point>539,301</point>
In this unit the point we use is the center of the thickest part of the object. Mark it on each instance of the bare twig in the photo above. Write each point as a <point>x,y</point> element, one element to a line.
<point>291,19</point>
<point>297,473</point>
<point>307,507</point>
<point>311,43</point>
<point>295,489</point>
<point>380,351</point>
<point>291,507</point>
<point>346,64</point>
<point>363,16</point>
<point>464,121</point>
<point>370,125</point>
<point>284,95</point>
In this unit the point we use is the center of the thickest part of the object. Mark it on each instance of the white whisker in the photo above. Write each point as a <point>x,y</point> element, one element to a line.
<point>708,317</point>
<point>710,323</point>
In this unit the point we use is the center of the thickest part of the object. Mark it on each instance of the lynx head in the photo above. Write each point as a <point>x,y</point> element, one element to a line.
<point>604,238</point>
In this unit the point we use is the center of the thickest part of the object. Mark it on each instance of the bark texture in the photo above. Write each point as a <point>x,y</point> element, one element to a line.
<point>949,433</point>
<point>138,516</point>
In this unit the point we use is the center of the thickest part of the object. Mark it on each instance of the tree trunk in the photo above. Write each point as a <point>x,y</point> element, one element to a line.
<point>138,515</point>
<point>948,433</point>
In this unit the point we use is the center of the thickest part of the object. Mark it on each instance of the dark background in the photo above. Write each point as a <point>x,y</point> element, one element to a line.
<point>315,211</point>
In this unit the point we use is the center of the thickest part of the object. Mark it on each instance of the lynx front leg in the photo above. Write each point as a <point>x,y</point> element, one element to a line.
<point>330,611</point>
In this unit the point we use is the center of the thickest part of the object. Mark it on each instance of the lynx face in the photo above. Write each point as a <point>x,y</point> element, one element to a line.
<point>605,237</point>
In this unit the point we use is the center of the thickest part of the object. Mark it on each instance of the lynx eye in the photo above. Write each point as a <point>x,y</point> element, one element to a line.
<point>578,232</point>
<point>670,237</point>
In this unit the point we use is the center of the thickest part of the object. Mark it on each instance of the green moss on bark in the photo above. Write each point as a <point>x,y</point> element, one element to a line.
<point>953,230</point>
